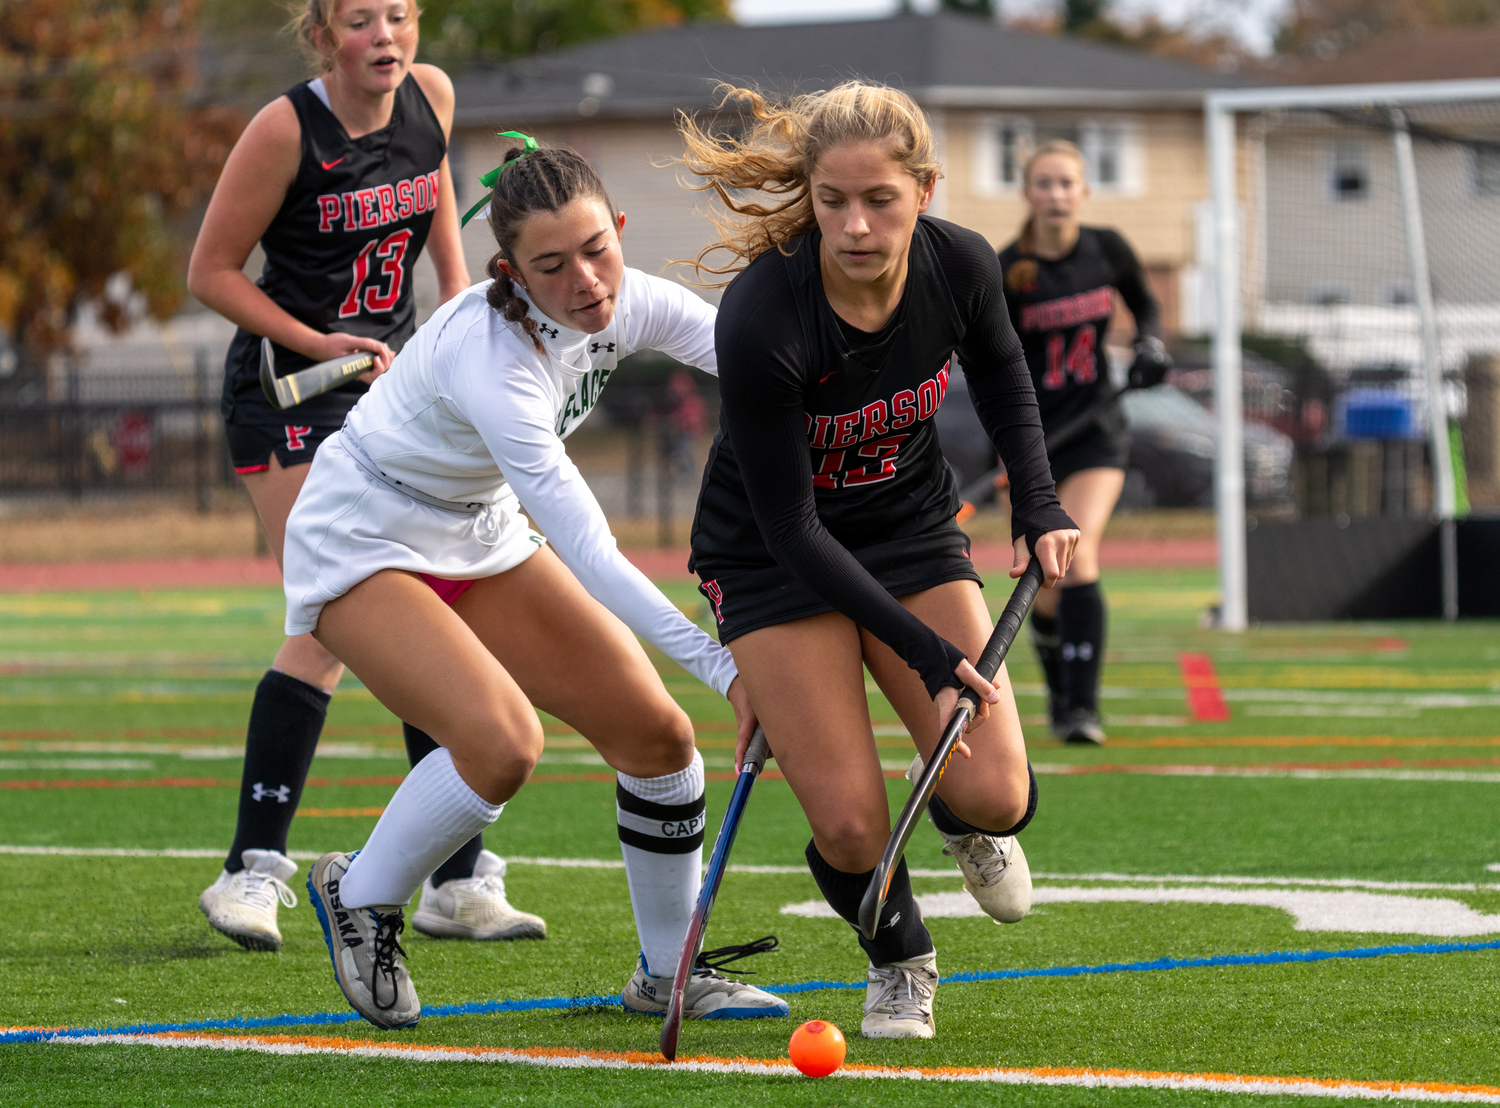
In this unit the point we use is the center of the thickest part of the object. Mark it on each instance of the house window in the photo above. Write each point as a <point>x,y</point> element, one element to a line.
<point>1349,170</point>
<point>1002,145</point>
<point>1487,170</point>
<point>1103,146</point>
<point>1012,148</point>
<point>1111,152</point>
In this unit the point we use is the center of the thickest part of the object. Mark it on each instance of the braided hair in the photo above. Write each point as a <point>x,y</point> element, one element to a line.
<point>543,180</point>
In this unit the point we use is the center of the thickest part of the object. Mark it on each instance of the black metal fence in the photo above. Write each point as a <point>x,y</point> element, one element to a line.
<point>67,429</point>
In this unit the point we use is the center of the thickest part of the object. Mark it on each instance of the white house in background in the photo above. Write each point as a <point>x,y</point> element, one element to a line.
<point>1328,258</point>
<point>992,93</point>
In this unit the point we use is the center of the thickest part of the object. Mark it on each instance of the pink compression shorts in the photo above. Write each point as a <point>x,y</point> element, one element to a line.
<point>448,591</point>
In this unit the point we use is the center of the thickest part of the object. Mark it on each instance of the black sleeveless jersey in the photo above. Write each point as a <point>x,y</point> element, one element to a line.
<point>1061,309</point>
<point>341,250</point>
<point>827,441</point>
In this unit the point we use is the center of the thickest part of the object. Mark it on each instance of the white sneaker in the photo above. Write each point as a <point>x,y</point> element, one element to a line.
<point>994,867</point>
<point>710,995</point>
<point>365,946</point>
<point>995,873</point>
<point>475,907</point>
<point>898,999</point>
<point>243,905</point>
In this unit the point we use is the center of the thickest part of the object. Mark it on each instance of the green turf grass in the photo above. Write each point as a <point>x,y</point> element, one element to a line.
<point>162,682</point>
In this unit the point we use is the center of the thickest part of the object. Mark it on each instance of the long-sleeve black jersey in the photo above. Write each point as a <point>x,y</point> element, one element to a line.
<point>341,250</point>
<point>1061,310</point>
<point>827,443</point>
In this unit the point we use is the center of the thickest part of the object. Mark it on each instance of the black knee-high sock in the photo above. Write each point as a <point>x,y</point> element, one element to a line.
<point>945,821</point>
<point>1081,613</point>
<point>901,935</point>
<point>419,744</point>
<point>1048,643</point>
<point>286,719</point>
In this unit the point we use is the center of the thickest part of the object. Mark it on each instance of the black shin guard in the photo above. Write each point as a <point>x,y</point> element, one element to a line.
<point>1081,612</point>
<point>901,934</point>
<point>1048,645</point>
<point>419,744</point>
<point>949,824</point>
<point>286,719</point>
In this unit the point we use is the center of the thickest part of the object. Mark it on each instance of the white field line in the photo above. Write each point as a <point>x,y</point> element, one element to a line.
<point>1299,696</point>
<point>616,863</point>
<point>1148,769</point>
<point>1431,1092</point>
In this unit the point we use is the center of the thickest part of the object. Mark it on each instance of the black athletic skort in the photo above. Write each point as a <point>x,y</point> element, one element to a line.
<point>1106,445</point>
<point>745,600</point>
<point>294,442</point>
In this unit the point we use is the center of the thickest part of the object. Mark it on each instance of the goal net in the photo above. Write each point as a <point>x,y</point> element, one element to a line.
<point>1356,306</point>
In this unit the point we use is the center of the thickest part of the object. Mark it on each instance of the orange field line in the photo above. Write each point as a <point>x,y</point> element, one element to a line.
<point>1038,1075</point>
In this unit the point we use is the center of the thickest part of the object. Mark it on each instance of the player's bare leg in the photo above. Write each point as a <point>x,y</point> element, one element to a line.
<point>806,681</point>
<point>982,801</point>
<point>547,631</point>
<point>1068,622</point>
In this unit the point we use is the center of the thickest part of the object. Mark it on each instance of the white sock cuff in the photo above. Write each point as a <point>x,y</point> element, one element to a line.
<point>446,796</point>
<point>682,787</point>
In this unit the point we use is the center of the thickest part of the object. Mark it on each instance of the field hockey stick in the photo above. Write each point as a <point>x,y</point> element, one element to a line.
<point>1059,438</point>
<point>754,761</point>
<point>968,703</point>
<point>294,388</point>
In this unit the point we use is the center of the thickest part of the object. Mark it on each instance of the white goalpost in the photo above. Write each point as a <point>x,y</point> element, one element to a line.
<point>1359,225</point>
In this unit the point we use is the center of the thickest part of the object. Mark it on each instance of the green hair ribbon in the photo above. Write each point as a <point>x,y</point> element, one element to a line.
<point>489,179</point>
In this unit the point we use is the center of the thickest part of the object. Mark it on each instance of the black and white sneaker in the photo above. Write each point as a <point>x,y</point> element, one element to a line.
<point>365,948</point>
<point>1079,725</point>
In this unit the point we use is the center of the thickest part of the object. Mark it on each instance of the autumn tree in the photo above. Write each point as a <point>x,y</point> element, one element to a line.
<point>102,146</point>
<point>461,29</point>
<point>1326,28</point>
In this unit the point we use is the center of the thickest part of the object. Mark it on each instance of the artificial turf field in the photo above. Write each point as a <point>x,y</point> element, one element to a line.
<point>1195,881</point>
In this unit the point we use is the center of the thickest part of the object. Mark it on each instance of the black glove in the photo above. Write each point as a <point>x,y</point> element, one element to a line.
<point>1151,363</point>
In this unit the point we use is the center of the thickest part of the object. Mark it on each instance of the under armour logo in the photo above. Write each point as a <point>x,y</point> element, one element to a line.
<point>594,347</point>
<point>550,332</point>
<point>283,795</point>
<point>1083,651</point>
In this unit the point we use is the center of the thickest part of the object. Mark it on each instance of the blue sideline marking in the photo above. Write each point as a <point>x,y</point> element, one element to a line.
<point>492,1007</point>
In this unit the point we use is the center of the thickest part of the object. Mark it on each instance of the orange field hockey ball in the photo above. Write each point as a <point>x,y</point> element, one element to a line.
<point>817,1048</point>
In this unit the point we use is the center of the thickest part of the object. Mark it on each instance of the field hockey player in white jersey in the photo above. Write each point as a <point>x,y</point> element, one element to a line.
<point>411,519</point>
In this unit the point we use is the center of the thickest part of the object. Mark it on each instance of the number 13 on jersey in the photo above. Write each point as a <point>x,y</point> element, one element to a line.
<point>832,474</point>
<point>371,297</point>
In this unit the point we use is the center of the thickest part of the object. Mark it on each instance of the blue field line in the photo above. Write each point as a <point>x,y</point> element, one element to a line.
<point>494,1007</point>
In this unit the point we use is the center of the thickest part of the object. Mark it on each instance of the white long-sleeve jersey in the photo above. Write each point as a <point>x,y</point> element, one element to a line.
<point>469,411</point>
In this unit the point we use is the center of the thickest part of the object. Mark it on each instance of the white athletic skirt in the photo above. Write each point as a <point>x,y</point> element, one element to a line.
<point>348,524</point>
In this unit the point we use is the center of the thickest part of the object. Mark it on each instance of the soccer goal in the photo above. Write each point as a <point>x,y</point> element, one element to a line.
<point>1355,308</point>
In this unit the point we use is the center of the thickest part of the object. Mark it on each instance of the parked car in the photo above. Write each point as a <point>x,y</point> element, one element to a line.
<point>1173,440</point>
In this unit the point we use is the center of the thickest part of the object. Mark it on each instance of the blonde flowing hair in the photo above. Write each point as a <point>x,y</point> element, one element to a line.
<point>777,155</point>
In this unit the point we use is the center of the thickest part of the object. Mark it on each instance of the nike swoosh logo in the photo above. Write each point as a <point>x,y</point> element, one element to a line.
<point>330,165</point>
<point>826,376</point>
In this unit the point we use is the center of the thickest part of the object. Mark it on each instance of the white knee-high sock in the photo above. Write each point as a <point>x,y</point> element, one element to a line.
<point>661,821</point>
<point>432,814</point>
